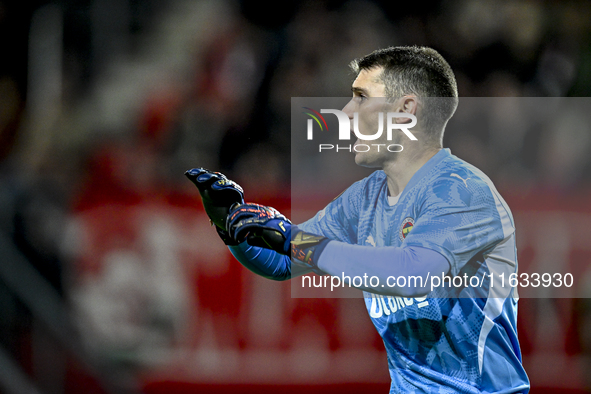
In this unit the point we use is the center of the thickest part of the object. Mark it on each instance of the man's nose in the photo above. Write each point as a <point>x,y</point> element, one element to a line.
<point>349,109</point>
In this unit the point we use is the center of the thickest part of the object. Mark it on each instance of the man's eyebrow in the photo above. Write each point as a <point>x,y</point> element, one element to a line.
<point>356,89</point>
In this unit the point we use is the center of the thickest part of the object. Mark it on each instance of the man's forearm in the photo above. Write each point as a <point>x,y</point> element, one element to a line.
<point>266,262</point>
<point>384,263</point>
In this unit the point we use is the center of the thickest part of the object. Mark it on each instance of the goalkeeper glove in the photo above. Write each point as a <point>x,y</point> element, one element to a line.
<point>218,194</point>
<point>265,227</point>
<point>260,226</point>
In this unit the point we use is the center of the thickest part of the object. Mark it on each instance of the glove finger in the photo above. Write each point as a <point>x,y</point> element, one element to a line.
<point>194,172</point>
<point>217,181</point>
<point>243,211</point>
<point>239,229</point>
<point>215,187</point>
<point>235,219</point>
<point>226,192</point>
<point>203,178</point>
<point>248,214</point>
<point>274,231</point>
<point>267,238</point>
<point>223,183</point>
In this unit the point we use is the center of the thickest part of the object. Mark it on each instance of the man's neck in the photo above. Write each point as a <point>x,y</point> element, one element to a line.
<point>400,172</point>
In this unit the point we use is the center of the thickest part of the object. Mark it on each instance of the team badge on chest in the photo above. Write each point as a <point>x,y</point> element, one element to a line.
<point>405,228</point>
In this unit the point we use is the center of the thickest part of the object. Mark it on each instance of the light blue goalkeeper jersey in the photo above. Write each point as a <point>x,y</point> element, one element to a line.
<point>458,339</point>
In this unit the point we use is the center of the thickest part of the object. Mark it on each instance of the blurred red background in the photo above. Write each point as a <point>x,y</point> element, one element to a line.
<point>111,278</point>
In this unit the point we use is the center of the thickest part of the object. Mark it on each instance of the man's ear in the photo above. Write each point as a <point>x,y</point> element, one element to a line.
<point>408,104</point>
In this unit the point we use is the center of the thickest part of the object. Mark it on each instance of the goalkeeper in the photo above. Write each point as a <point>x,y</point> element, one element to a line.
<point>423,212</point>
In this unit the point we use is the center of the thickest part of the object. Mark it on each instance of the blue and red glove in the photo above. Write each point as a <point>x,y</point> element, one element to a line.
<point>259,226</point>
<point>265,227</point>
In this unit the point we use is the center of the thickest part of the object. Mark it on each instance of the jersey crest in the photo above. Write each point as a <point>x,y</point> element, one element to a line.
<point>405,228</point>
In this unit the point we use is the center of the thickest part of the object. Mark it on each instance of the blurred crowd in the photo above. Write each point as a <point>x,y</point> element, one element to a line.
<point>229,107</point>
<point>92,114</point>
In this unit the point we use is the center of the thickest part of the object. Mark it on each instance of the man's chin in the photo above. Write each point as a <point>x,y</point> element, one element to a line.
<point>362,161</point>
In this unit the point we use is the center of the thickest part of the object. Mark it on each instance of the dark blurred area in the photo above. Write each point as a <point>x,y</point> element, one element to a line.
<point>111,279</point>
